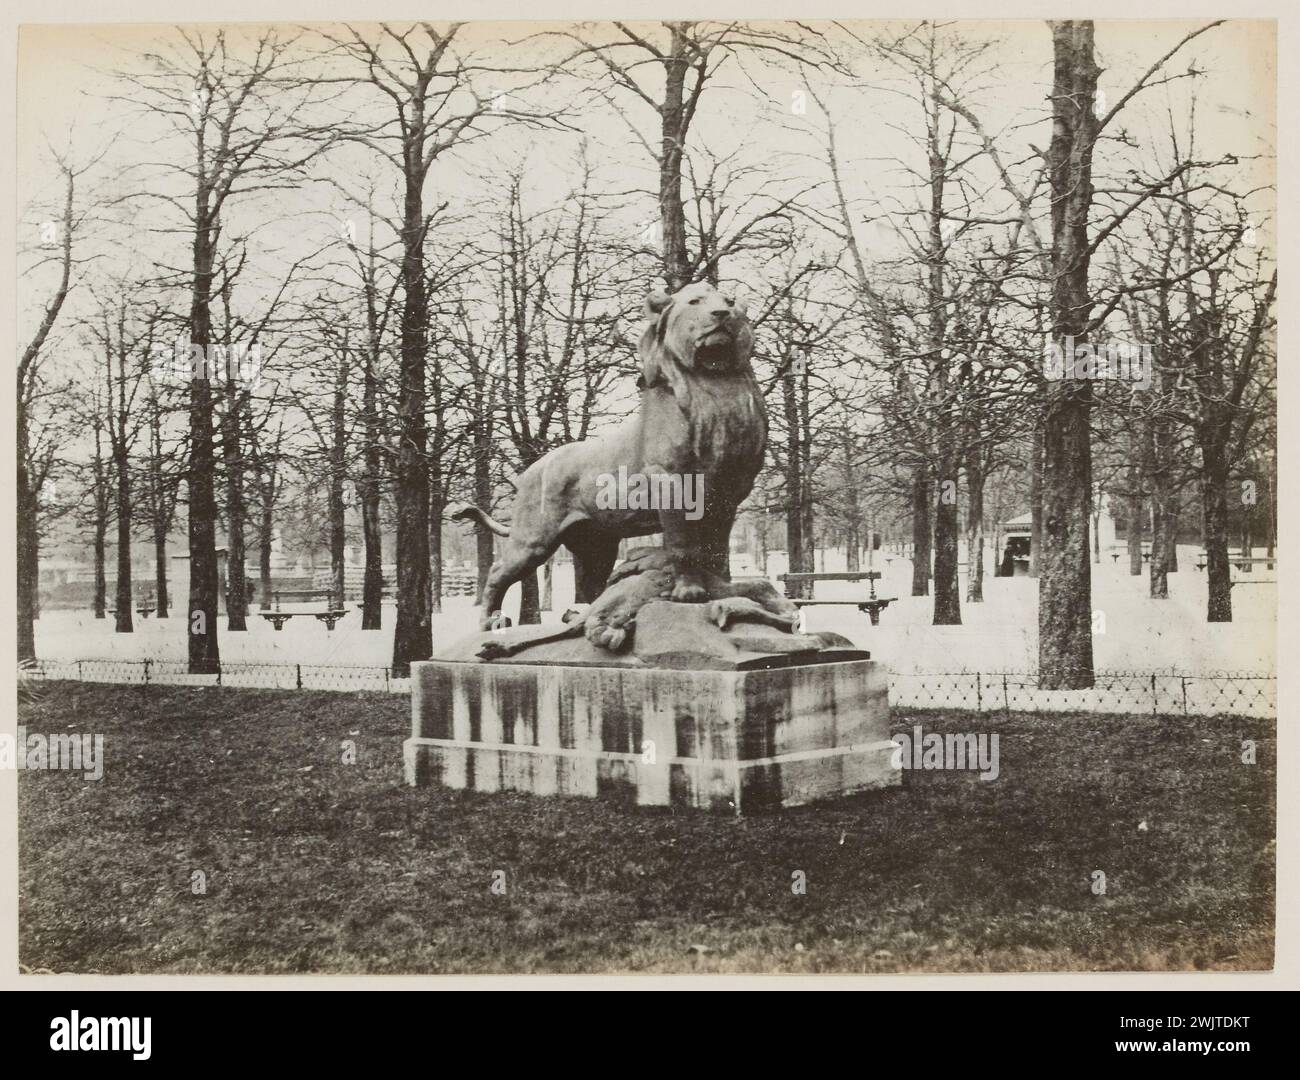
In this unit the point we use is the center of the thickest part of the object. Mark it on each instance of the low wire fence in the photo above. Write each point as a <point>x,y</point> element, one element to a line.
<point>238,674</point>
<point>1153,693</point>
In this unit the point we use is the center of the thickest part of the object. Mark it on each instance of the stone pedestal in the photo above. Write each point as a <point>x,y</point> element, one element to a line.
<point>749,731</point>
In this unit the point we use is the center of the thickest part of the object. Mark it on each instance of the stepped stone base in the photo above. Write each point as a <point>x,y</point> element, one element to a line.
<point>777,732</point>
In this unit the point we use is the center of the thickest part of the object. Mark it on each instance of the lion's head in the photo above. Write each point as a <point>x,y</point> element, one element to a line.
<point>698,329</point>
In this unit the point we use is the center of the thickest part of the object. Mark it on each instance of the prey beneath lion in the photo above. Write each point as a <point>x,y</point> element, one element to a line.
<point>648,574</point>
<point>701,415</point>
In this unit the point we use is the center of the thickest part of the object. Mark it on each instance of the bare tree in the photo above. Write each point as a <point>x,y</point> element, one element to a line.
<point>163,467</point>
<point>266,458</point>
<point>122,333</point>
<point>35,461</point>
<point>1064,597</point>
<point>376,281</point>
<point>434,106</point>
<point>687,56</point>
<point>245,114</point>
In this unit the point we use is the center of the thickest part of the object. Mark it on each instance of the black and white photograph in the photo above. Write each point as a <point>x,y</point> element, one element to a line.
<point>733,496</point>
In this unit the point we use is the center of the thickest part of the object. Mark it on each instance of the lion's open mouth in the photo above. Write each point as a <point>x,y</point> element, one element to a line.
<point>719,357</point>
<point>716,351</point>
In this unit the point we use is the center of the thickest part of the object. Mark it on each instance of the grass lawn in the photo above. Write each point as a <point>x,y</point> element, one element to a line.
<point>314,865</point>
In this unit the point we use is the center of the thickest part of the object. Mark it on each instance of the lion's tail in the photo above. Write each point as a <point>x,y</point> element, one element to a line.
<point>468,512</point>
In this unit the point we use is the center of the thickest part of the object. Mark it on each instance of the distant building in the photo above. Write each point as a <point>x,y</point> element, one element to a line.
<point>1014,559</point>
<point>52,572</point>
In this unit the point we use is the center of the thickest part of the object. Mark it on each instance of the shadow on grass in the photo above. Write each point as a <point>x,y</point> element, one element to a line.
<point>311,864</point>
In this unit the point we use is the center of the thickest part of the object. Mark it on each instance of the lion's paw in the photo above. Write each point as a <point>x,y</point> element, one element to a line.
<point>495,621</point>
<point>607,634</point>
<point>610,638</point>
<point>611,619</point>
<point>689,588</point>
<point>734,608</point>
<point>763,594</point>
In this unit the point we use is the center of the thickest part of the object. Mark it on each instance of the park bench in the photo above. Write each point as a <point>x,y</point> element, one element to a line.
<point>1117,553</point>
<point>330,616</point>
<point>1114,556</point>
<point>873,605</point>
<point>144,611</point>
<point>1244,563</point>
<point>1120,551</point>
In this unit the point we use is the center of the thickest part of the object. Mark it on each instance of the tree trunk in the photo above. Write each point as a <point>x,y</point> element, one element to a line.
<point>201,618</point>
<point>482,497</point>
<point>921,491</point>
<point>1214,496</point>
<point>974,530</point>
<point>795,539</point>
<point>1173,520</point>
<point>1136,512</point>
<point>1096,530</point>
<point>1271,507</point>
<point>1159,574</point>
<point>1163,523</point>
<point>162,599</point>
<point>437,504</point>
<point>412,634</point>
<point>673,123</point>
<point>28,545</point>
<point>807,487</point>
<point>101,584</point>
<point>338,541</point>
<point>233,456</point>
<point>338,478</point>
<point>852,539</point>
<point>483,555</point>
<point>1036,500</point>
<point>265,542</point>
<point>947,594</point>
<point>1065,581</point>
<point>530,604</point>
<point>373,586</point>
<point>814,560</point>
<point>123,598</point>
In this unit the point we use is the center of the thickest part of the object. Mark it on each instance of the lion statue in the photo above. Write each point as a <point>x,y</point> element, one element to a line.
<point>701,427</point>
